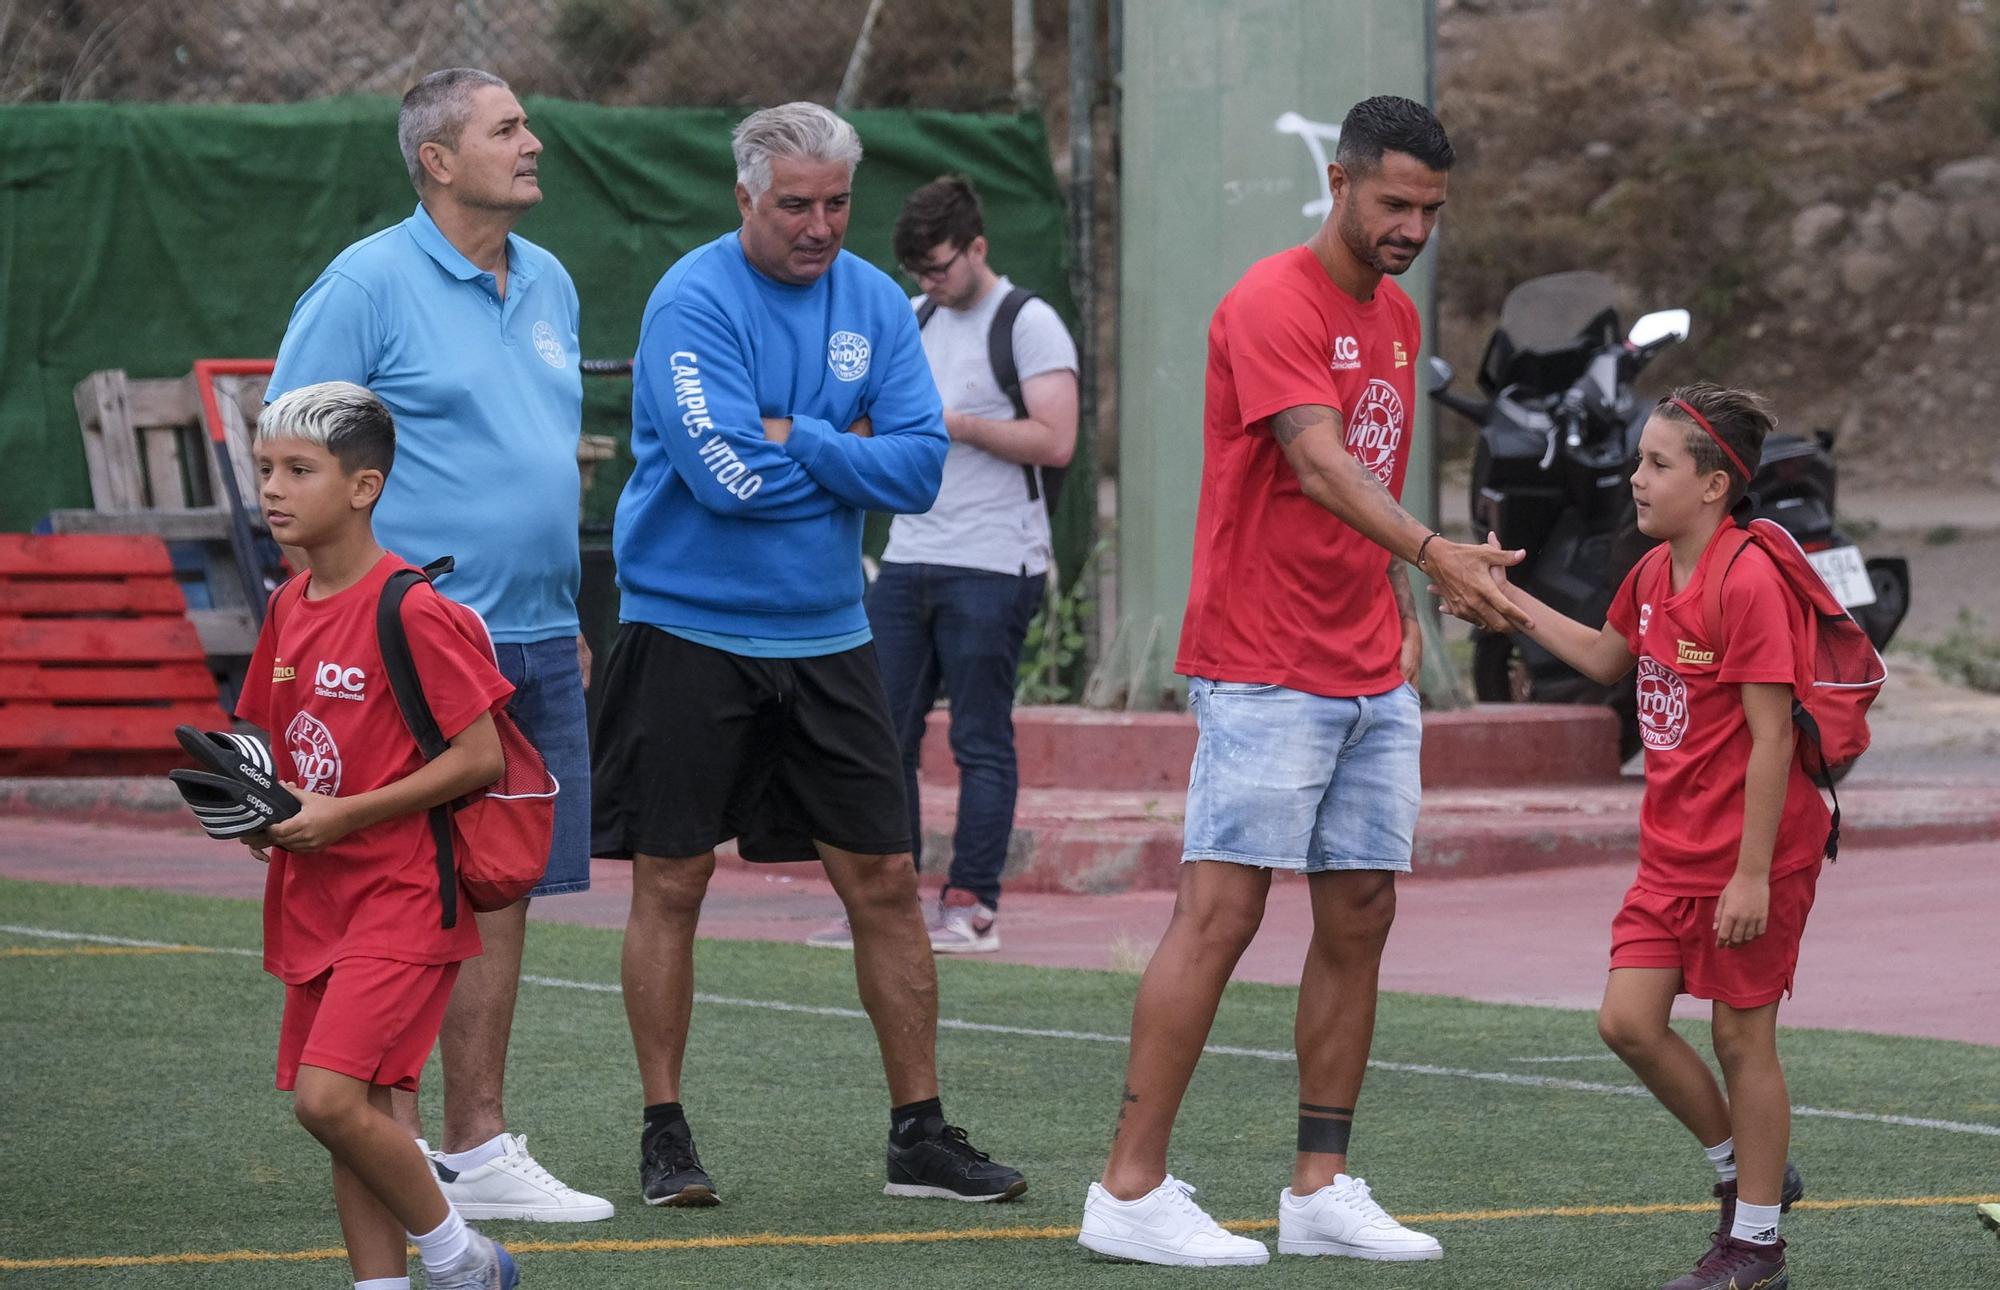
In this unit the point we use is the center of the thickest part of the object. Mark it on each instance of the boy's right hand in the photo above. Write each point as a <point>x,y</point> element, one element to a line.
<point>260,844</point>
<point>1499,571</point>
<point>1469,581</point>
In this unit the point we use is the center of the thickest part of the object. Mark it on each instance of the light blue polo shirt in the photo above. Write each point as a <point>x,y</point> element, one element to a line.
<point>488,401</point>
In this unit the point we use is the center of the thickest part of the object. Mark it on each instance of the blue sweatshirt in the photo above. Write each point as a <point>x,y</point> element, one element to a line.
<point>720,530</point>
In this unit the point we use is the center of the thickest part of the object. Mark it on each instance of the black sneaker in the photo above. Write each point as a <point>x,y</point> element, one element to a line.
<point>1793,1189</point>
<point>669,1171</point>
<point>943,1165</point>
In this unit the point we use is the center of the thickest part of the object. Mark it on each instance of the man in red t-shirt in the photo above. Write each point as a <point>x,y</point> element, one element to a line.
<point>1301,647</point>
<point>353,917</point>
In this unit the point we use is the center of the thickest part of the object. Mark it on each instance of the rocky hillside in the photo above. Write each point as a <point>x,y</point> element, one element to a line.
<point>1818,181</point>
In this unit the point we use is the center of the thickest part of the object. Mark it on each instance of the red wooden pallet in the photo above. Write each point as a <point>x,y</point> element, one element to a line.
<point>98,661</point>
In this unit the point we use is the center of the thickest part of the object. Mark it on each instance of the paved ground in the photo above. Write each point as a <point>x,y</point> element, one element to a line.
<point>1901,940</point>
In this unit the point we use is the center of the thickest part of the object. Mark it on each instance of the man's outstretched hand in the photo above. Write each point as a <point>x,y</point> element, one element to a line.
<point>1469,579</point>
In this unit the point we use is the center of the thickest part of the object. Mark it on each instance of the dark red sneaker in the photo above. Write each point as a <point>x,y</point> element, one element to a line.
<point>1731,1264</point>
<point>1794,1188</point>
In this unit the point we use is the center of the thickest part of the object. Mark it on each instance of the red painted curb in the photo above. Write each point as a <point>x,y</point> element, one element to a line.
<point>1494,745</point>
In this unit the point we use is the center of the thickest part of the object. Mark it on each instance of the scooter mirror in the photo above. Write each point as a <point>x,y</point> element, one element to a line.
<point>1666,324</point>
<point>1441,374</point>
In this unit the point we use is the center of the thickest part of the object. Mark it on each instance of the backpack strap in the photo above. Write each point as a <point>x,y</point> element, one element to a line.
<point>282,598</point>
<point>408,687</point>
<point>1044,482</point>
<point>1736,540</point>
<point>1802,720</point>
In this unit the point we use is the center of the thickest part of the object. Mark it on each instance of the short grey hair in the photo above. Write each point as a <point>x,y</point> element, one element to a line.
<point>339,416</point>
<point>435,111</point>
<point>804,130</point>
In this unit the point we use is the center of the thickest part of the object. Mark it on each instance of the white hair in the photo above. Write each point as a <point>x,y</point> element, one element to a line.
<point>339,416</point>
<point>804,130</point>
<point>435,111</point>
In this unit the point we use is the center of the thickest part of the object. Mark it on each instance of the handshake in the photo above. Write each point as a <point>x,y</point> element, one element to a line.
<point>1470,582</point>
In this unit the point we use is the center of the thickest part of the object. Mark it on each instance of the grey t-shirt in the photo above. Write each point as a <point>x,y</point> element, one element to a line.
<point>983,517</point>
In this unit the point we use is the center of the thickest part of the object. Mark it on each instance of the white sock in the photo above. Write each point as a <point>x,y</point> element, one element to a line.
<point>1757,1224</point>
<point>1723,1156</point>
<point>383,1283</point>
<point>446,1246</point>
<point>492,1149</point>
<point>424,1147</point>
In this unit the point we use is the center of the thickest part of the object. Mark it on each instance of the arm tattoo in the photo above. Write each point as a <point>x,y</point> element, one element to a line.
<point>1293,422</point>
<point>1399,582</point>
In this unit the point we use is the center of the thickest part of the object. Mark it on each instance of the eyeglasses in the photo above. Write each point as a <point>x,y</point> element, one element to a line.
<point>920,272</point>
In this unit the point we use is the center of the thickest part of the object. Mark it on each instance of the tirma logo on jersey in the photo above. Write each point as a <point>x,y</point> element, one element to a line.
<point>1375,429</point>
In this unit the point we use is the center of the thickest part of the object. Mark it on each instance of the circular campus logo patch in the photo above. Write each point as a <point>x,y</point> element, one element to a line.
<point>1663,706</point>
<point>1375,431</point>
<point>549,346</point>
<point>314,754</point>
<point>847,355</point>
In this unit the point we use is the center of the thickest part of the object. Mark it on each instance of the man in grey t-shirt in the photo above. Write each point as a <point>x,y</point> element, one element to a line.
<point>959,584</point>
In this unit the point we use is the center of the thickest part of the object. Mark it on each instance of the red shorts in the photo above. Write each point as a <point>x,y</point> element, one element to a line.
<point>1656,931</point>
<point>374,1019</point>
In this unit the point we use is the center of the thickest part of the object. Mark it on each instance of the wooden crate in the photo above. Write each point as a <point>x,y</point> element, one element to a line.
<point>154,470</point>
<point>98,659</point>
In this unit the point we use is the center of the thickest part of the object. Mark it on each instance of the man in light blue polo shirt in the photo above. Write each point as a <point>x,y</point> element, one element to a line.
<point>469,334</point>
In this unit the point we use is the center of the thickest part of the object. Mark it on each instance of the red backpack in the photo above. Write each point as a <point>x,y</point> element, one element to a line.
<point>1836,670</point>
<point>494,841</point>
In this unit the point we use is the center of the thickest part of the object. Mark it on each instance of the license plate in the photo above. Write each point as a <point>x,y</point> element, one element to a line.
<point>1845,575</point>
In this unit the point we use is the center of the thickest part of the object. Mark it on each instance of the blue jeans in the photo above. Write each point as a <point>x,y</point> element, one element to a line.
<point>1288,780</point>
<point>548,704</point>
<point>961,629</point>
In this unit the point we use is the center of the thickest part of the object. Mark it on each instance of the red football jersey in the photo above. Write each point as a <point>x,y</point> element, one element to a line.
<point>1691,720</point>
<point>1282,592</point>
<point>318,687</point>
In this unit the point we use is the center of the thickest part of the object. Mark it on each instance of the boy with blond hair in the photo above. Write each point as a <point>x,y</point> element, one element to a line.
<point>353,922</point>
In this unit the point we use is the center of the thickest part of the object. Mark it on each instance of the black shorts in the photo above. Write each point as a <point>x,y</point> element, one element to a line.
<point>694,746</point>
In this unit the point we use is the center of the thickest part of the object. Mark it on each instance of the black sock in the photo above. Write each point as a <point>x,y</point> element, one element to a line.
<point>661,1114</point>
<point>908,1124</point>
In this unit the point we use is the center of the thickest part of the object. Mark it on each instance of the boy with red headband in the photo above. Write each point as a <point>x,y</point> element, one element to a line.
<point>1732,832</point>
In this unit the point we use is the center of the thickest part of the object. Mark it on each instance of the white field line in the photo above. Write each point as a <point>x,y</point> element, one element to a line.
<point>48,934</point>
<point>1553,1061</point>
<point>1508,1078</point>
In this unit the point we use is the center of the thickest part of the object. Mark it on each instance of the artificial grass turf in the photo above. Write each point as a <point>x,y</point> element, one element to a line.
<point>140,1120</point>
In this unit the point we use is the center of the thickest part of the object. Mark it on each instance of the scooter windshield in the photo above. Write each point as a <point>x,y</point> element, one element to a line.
<point>1549,329</point>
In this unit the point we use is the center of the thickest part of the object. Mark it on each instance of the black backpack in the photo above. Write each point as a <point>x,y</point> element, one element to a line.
<point>1044,482</point>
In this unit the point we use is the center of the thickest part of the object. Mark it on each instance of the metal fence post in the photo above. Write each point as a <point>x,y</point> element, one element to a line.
<point>1025,95</point>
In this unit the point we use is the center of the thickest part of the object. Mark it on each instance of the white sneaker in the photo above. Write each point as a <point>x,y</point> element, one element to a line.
<point>965,929</point>
<point>1342,1218</point>
<point>486,1266</point>
<point>1163,1226</point>
<point>834,936</point>
<point>513,1185</point>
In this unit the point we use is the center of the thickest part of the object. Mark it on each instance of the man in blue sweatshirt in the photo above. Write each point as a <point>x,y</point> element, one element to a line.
<point>780,392</point>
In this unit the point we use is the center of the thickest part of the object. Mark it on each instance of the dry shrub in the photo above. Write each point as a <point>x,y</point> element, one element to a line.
<point>1907,33</point>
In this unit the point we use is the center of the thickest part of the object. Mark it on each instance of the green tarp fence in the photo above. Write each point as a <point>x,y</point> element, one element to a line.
<point>144,237</point>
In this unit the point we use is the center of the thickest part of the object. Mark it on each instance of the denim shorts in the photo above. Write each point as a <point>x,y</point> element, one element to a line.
<point>548,704</point>
<point>1288,780</point>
